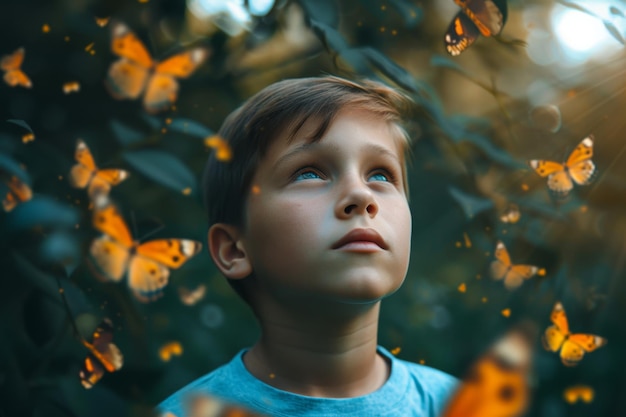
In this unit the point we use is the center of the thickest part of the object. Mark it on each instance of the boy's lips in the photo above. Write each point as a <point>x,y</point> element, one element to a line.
<point>364,236</point>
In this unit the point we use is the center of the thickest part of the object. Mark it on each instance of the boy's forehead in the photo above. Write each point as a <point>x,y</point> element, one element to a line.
<point>304,136</point>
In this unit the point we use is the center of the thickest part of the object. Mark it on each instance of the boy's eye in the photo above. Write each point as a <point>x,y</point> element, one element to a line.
<point>383,175</point>
<point>307,175</point>
<point>379,176</point>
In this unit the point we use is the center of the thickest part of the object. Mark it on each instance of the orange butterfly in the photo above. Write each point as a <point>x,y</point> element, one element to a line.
<point>191,297</point>
<point>486,17</point>
<point>117,254</point>
<point>207,406</point>
<point>572,346</point>
<point>18,192</point>
<point>496,385</point>
<point>577,169</point>
<point>136,72</point>
<point>86,174</point>
<point>503,268</point>
<point>11,65</point>
<point>170,349</point>
<point>574,393</point>
<point>103,355</point>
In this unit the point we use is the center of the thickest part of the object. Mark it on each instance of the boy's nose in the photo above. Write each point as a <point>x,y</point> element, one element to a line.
<point>356,199</point>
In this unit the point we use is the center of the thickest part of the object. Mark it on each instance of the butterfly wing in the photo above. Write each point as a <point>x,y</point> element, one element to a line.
<point>81,173</point>
<point>148,273</point>
<point>111,252</point>
<point>579,164</point>
<point>147,278</point>
<point>558,179</point>
<point>555,335</point>
<point>496,385</point>
<point>501,265</point>
<point>18,192</point>
<point>103,355</point>
<point>162,88</point>
<point>104,179</point>
<point>127,76</point>
<point>107,219</point>
<point>576,345</point>
<point>13,74</point>
<point>461,33</point>
<point>485,14</point>
<point>517,274</point>
<point>12,61</point>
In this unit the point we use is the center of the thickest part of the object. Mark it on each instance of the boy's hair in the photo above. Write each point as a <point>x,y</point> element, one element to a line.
<point>282,107</point>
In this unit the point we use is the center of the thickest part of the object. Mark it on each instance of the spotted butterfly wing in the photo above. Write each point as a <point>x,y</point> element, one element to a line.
<point>17,192</point>
<point>460,34</point>
<point>85,174</point>
<point>13,74</point>
<point>103,355</point>
<point>146,265</point>
<point>572,347</point>
<point>578,168</point>
<point>136,73</point>
<point>503,268</point>
<point>488,15</point>
<point>496,385</point>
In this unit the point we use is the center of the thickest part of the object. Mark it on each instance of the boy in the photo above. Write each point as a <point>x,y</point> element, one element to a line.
<point>311,225</point>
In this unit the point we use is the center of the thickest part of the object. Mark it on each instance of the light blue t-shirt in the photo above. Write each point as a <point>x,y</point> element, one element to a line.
<point>411,390</point>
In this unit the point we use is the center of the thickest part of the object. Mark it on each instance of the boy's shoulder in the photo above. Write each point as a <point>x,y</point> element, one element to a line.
<point>411,390</point>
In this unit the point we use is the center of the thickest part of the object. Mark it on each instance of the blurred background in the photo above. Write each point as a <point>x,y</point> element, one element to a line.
<point>553,76</point>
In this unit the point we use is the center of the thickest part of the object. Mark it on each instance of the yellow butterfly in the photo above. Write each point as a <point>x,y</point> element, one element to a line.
<point>147,264</point>
<point>574,393</point>
<point>103,355</point>
<point>497,384</point>
<point>578,168</point>
<point>572,346</point>
<point>11,65</point>
<point>503,268</point>
<point>136,73</point>
<point>86,174</point>
<point>18,192</point>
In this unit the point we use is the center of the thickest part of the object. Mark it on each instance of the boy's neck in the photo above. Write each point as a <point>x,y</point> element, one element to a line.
<point>320,355</point>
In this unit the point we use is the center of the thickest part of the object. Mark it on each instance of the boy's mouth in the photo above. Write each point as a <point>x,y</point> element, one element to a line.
<point>363,237</point>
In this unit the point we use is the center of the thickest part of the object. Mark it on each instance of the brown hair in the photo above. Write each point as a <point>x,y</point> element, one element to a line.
<point>286,106</point>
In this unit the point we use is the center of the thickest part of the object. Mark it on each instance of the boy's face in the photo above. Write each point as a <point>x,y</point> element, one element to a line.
<point>307,197</point>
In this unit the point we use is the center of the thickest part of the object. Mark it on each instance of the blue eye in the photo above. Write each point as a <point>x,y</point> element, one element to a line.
<point>307,175</point>
<point>381,177</point>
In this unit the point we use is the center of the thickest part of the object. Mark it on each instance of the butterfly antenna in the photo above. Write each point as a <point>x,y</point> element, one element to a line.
<point>156,230</point>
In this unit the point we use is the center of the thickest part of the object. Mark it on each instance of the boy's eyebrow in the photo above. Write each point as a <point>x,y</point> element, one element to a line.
<point>372,147</point>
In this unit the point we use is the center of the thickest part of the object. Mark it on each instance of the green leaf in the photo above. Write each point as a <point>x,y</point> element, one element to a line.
<point>471,204</point>
<point>164,169</point>
<point>444,62</point>
<point>190,127</point>
<point>124,134</point>
<point>326,11</point>
<point>12,167</point>
<point>20,123</point>
<point>330,37</point>
<point>390,69</point>
<point>41,211</point>
<point>614,31</point>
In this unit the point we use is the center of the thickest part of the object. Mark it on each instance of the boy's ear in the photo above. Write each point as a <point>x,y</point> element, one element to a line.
<point>228,252</point>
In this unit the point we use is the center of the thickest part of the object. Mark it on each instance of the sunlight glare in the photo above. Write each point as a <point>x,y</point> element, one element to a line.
<point>581,35</point>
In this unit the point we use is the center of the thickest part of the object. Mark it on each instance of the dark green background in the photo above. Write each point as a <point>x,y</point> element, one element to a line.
<point>471,135</point>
